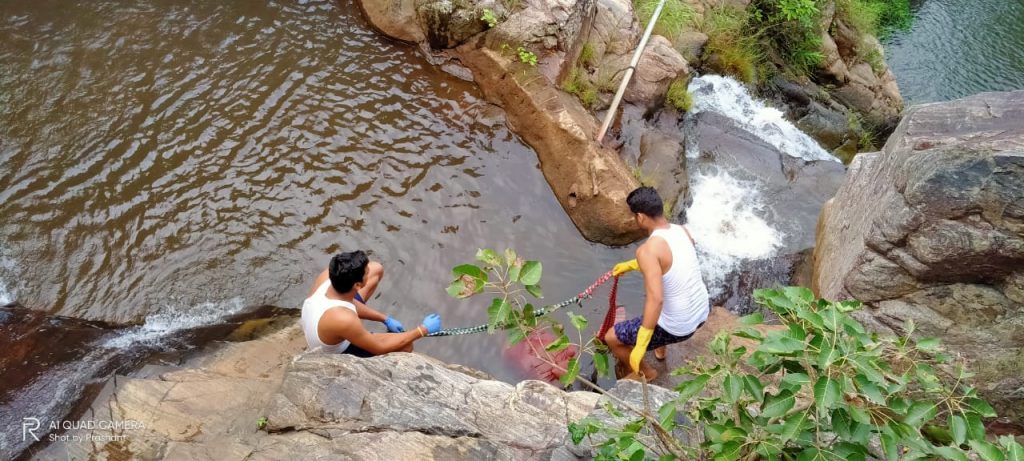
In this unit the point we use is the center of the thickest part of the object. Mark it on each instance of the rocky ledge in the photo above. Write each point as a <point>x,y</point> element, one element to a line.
<point>931,229</point>
<point>267,399</point>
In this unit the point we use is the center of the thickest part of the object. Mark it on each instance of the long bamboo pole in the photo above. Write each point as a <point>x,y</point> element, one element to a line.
<point>629,72</point>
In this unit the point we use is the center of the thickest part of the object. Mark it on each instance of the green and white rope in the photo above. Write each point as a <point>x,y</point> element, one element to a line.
<point>585,294</point>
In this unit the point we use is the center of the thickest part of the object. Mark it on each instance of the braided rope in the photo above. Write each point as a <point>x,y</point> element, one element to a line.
<point>609,317</point>
<point>585,294</point>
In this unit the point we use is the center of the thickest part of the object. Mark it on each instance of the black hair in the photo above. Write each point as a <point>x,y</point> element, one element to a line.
<point>347,269</point>
<point>647,201</point>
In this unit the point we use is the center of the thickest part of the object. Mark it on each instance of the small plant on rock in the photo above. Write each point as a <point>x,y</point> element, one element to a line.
<point>577,84</point>
<point>261,422</point>
<point>527,57</point>
<point>587,55</point>
<point>490,18</point>
<point>679,96</point>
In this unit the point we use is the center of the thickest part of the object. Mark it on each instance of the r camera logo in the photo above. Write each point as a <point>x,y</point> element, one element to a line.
<point>29,426</point>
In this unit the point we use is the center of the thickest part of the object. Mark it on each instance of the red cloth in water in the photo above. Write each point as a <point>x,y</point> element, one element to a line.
<point>523,358</point>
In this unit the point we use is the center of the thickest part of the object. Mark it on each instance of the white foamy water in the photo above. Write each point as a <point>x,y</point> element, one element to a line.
<point>724,222</point>
<point>7,294</point>
<point>728,97</point>
<point>164,325</point>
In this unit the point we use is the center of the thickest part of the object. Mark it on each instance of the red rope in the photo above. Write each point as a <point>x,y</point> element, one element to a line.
<point>609,318</point>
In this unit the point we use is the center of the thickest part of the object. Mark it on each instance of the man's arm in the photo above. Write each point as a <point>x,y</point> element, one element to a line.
<point>647,257</point>
<point>344,324</point>
<point>368,313</point>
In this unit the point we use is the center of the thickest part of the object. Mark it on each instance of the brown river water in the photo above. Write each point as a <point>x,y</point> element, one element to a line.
<point>167,163</point>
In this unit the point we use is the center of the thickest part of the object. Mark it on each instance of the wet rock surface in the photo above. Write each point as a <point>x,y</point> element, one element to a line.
<point>932,229</point>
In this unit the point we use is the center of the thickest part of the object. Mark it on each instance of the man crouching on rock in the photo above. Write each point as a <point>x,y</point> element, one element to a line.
<point>676,300</point>
<point>336,303</point>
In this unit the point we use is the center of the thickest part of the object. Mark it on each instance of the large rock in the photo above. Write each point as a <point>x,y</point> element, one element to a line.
<point>932,229</point>
<point>659,65</point>
<point>590,181</point>
<point>397,19</point>
<point>400,393</point>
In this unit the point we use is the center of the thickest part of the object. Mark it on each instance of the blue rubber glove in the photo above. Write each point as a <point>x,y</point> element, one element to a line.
<point>393,325</point>
<point>432,323</point>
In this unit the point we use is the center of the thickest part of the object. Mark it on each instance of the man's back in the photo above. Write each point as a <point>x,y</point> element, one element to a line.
<point>685,302</point>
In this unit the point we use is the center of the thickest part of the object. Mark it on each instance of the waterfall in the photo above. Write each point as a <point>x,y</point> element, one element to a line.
<point>738,215</point>
<point>728,97</point>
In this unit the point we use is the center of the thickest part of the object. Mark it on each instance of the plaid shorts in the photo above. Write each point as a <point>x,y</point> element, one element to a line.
<point>626,332</point>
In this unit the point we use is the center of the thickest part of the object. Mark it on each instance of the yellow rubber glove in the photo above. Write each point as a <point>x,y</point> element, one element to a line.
<point>625,266</point>
<point>643,338</point>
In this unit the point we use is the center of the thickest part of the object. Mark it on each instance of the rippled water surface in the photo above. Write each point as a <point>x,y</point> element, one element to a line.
<point>175,158</point>
<point>957,48</point>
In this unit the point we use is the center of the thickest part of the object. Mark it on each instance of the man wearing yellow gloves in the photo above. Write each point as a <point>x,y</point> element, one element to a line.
<point>676,300</point>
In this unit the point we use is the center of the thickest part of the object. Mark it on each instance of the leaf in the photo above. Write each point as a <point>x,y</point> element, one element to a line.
<point>601,363</point>
<point>778,342</point>
<point>756,318</point>
<point>863,365</point>
<point>667,415</point>
<point>558,344</point>
<point>919,413</point>
<point>828,354</point>
<point>928,344</point>
<point>982,407</point>
<point>573,371</point>
<point>747,332</point>
<point>889,447</point>
<point>497,314</point>
<point>869,389</point>
<point>1014,451</point>
<point>535,291</point>
<point>754,387</point>
<point>577,431</point>
<point>578,321</point>
<point>457,289</point>
<point>811,454</point>
<point>510,256</point>
<point>958,428</point>
<point>986,451</point>
<point>951,453</point>
<point>531,272</point>
<point>516,336</point>
<point>778,405</point>
<point>859,414</point>
<point>793,381</point>
<point>831,318</point>
<point>488,256</point>
<point>793,426</point>
<point>693,386</point>
<point>733,387</point>
<point>469,269</point>
<point>975,428</point>
<point>529,315</point>
<point>514,270</point>
<point>827,392</point>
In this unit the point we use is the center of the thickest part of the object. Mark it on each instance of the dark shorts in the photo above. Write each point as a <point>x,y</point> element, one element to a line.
<point>357,351</point>
<point>626,332</point>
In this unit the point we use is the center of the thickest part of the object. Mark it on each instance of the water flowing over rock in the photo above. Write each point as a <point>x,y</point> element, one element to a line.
<point>931,229</point>
<point>757,185</point>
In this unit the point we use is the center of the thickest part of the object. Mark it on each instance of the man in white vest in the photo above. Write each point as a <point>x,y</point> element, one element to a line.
<point>676,300</point>
<point>332,314</point>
